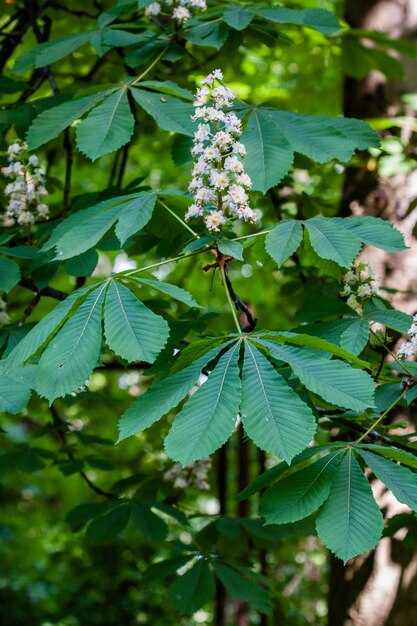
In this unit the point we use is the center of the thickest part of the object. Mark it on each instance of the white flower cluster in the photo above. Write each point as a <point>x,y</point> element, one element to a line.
<point>194,475</point>
<point>26,191</point>
<point>4,317</point>
<point>359,284</point>
<point>181,9</point>
<point>219,182</point>
<point>409,348</point>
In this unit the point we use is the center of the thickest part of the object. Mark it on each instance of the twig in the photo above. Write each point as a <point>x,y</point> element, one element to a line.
<point>60,424</point>
<point>46,291</point>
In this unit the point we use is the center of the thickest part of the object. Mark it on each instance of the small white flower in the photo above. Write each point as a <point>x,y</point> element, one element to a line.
<point>239,148</point>
<point>33,160</point>
<point>232,164</point>
<point>204,194</point>
<point>219,179</point>
<point>153,9</point>
<point>364,290</point>
<point>214,220</point>
<point>181,14</point>
<point>212,154</point>
<point>194,210</point>
<point>352,302</point>
<point>244,180</point>
<point>202,133</point>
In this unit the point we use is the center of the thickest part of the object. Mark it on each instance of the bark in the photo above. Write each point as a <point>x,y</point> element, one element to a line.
<point>380,588</point>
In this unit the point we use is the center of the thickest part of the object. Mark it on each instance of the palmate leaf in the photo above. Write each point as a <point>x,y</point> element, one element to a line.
<point>108,127</point>
<point>336,240</point>
<point>400,480</point>
<point>300,493</point>
<point>208,418</point>
<point>238,18</point>
<point>73,353</point>
<point>169,113</point>
<point>162,397</point>
<point>350,521</point>
<point>82,230</point>
<point>193,589</point>
<point>132,330</point>
<point>273,415</point>
<point>270,155</point>
<point>37,336</point>
<point>48,124</point>
<point>335,381</point>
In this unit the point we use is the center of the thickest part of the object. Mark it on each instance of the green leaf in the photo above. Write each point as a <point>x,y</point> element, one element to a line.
<point>350,521</point>
<point>152,527</point>
<point>73,353</point>
<point>107,128</point>
<point>272,474</point>
<point>324,138</point>
<point>83,264</point>
<point>355,336</point>
<point>51,51</point>
<point>132,330</point>
<point>105,528</point>
<point>81,231</point>
<point>162,397</point>
<point>270,155</point>
<point>171,290</point>
<point>375,232</point>
<point>193,589</point>
<point>273,415</point>
<point>168,87</point>
<point>163,569</point>
<point>135,215</point>
<point>243,588</point>
<point>283,240</point>
<point>9,274</point>
<point>301,492</point>
<point>400,480</point>
<point>331,241</point>
<point>169,113</point>
<point>38,335</point>
<point>402,456</point>
<point>14,392</point>
<point>211,35</point>
<point>238,18</point>
<point>48,124</point>
<point>318,19</point>
<point>208,418</point>
<point>335,381</point>
<point>376,311</point>
<point>231,248</point>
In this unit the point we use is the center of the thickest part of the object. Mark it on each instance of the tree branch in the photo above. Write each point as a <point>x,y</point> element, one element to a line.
<point>60,427</point>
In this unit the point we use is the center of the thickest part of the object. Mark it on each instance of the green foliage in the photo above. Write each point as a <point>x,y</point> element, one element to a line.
<point>350,521</point>
<point>146,303</point>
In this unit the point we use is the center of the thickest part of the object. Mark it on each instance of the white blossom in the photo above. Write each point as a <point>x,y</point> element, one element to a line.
<point>409,348</point>
<point>219,182</point>
<point>359,284</point>
<point>181,13</point>
<point>26,191</point>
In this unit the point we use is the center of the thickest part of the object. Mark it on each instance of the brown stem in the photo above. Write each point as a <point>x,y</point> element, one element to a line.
<point>46,291</point>
<point>60,427</point>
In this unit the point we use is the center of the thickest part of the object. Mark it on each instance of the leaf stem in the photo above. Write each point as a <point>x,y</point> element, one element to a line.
<point>381,417</point>
<point>151,66</point>
<point>263,232</point>
<point>229,299</point>
<point>181,221</point>
<point>400,363</point>
<point>149,267</point>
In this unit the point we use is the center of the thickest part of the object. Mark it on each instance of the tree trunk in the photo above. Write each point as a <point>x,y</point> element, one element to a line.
<point>380,588</point>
